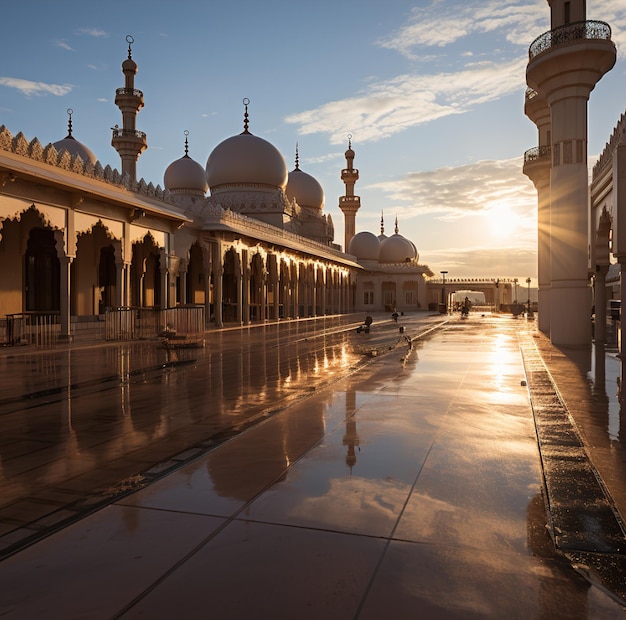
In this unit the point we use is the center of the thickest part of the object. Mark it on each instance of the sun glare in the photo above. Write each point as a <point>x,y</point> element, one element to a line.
<point>502,222</point>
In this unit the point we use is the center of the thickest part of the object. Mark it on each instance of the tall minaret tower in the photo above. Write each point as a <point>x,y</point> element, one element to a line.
<point>563,68</point>
<point>349,203</point>
<point>127,141</point>
<point>537,164</point>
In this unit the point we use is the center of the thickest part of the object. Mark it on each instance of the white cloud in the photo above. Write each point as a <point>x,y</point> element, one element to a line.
<point>28,88</point>
<point>93,32</point>
<point>393,105</point>
<point>62,43</point>
<point>516,260</point>
<point>440,25</point>
<point>472,189</point>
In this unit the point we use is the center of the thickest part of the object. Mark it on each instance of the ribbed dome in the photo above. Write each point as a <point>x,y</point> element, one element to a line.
<point>305,189</point>
<point>74,147</point>
<point>246,159</point>
<point>364,246</point>
<point>397,249</point>
<point>185,174</point>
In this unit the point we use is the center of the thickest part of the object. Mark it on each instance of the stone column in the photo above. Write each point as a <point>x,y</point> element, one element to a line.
<point>218,272</point>
<point>65,280</point>
<point>600,303</point>
<point>244,306</point>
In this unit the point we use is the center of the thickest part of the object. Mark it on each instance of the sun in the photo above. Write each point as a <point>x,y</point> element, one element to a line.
<point>502,222</point>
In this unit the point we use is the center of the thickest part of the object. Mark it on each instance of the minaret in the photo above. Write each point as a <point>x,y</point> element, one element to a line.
<point>537,164</point>
<point>349,203</point>
<point>127,141</point>
<point>564,66</point>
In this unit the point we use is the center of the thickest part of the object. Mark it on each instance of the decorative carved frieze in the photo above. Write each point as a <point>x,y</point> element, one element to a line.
<point>49,156</point>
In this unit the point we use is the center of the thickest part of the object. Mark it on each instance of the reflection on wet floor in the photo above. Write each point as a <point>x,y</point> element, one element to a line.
<point>82,425</point>
<point>412,485</point>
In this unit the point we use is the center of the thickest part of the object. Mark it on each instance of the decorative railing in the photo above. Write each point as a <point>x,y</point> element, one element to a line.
<point>568,34</point>
<point>35,328</point>
<point>118,132</point>
<point>129,91</point>
<point>216,214</point>
<point>128,323</point>
<point>537,153</point>
<point>531,93</point>
<point>478,281</point>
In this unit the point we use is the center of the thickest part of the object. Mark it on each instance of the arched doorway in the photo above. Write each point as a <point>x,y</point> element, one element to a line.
<point>42,272</point>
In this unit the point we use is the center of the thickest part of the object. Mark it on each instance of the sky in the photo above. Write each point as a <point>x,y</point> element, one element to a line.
<point>431,91</point>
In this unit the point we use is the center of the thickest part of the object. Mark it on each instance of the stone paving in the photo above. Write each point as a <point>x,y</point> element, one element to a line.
<point>413,486</point>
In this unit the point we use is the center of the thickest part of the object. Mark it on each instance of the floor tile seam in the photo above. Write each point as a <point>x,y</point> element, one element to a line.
<point>378,566</point>
<point>234,517</point>
<point>547,461</point>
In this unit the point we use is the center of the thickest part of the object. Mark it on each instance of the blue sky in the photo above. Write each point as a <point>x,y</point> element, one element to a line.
<point>431,91</point>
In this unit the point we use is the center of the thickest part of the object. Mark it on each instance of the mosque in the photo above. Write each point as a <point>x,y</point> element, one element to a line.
<point>242,238</point>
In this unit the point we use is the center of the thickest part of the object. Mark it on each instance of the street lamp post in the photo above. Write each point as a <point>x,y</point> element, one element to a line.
<point>528,280</point>
<point>443,289</point>
<point>515,283</point>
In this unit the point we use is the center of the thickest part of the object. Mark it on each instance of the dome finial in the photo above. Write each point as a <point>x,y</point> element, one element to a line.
<point>130,41</point>
<point>69,122</point>
<point>186,132</point>
<point>297,158</point>
<point>246,102</point>
<point>396,230</point>
<point>349,140</point>
<point>382,224</point>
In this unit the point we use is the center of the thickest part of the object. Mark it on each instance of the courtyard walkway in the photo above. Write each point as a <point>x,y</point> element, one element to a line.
<point>463,469</point>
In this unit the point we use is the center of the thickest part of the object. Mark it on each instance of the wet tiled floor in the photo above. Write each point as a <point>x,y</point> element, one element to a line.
<point>408,487</point>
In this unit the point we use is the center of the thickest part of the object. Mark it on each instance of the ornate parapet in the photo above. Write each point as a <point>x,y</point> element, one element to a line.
<point>213,215</point>
<point>49,156</point>
<point>606,157</point>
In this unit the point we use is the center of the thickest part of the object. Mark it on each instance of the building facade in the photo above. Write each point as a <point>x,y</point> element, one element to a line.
<point>78,238</point>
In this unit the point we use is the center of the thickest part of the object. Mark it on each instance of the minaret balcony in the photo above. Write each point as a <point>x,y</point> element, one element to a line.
<point>129,92</point>
<point>350,174</point>
<point>118,132</point>
<point>537,162</point>
<point>569,34</point>
<point>567,62</point>
<point>349,202</point>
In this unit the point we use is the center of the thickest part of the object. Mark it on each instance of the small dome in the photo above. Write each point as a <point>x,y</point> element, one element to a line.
<point>185,174</point>
<point>74,147</point>
<point>364,246</point>
<point>246,159</point>
<point>397,249</point>
<point>129,66</point>
<point>305,189</point>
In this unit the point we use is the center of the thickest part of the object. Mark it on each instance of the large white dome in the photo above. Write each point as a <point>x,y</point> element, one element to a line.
<point>185,174</point>
<point>365,246</point>
<point>246,159</point>
<point>305,189</point>
<point>397,249</point>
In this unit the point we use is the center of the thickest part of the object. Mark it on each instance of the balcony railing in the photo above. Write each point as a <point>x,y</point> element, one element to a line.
<point>568,34</point>
<point>537,153</point>
<point>118,132</point>
<point>531,93</point>
<point>129,91</point>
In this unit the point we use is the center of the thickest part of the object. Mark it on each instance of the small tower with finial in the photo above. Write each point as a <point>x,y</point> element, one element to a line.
<point>349,204</point>
<point>127,141</point>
